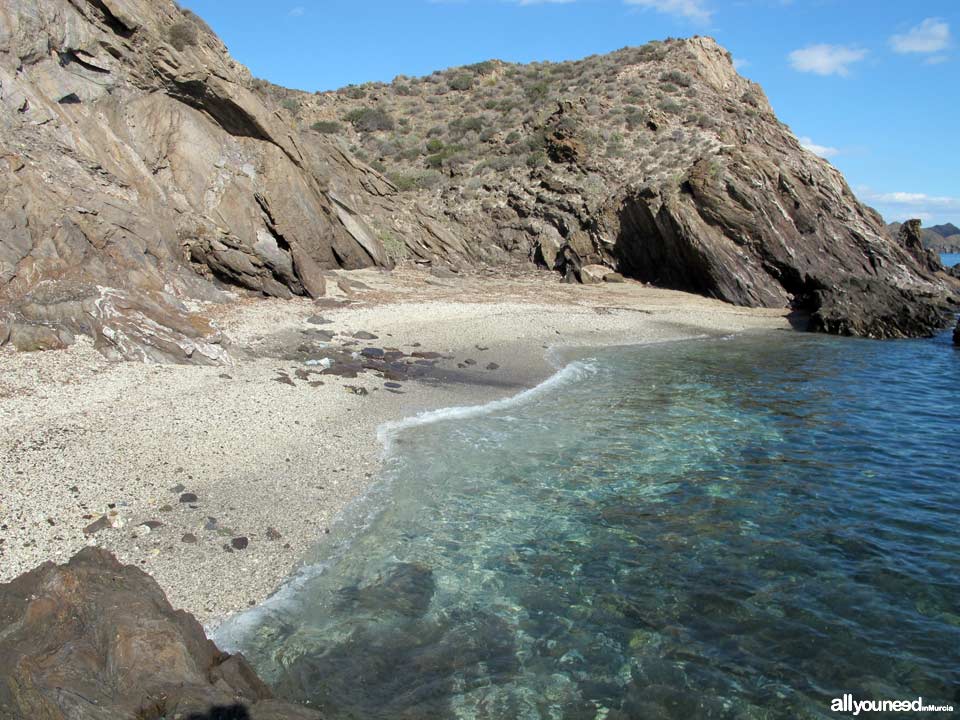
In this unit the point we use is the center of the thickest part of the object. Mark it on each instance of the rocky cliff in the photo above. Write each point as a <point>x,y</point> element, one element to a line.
<point>139,175</point>
<point>97,640</point>
<point>144,174</point>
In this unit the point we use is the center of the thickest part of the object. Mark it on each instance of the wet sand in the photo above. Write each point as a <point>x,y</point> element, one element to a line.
<point>216,480</point>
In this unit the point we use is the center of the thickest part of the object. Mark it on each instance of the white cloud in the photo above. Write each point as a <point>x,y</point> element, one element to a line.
<point>695,10</point>
<point>826,59</point>
<point>823,151</point>
<point>298,11</point>
<point>905,205</point>
<point>930,36</point>
<point>740,63</point>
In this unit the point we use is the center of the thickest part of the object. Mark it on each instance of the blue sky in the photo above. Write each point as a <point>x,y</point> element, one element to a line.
<point>872,84</point>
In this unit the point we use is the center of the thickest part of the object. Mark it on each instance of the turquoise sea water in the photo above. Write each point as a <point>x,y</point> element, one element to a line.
<point>729,528</point>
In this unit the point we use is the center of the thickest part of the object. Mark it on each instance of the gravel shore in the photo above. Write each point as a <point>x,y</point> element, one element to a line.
<point>216,480</point>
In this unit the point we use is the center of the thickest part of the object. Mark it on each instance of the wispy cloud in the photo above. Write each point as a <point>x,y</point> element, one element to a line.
<point>826,59</point>
<point>824,151</point>
<point>695,10</point>
<point>298,11</point>
<point>930,36</point>
<point>903,205</point>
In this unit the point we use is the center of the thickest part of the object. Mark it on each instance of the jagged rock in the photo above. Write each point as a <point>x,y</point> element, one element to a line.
<point>134,161</point>
<point>592,274</point>
<point>669,168</point>
<point>97,640</point>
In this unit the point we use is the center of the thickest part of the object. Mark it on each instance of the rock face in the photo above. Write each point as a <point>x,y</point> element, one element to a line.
<point>96,640</point>
<point>144,174</point>
<point>136,167</point>
<point>660,162</point>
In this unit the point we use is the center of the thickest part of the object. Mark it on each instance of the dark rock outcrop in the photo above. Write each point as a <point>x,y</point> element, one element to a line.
<point>97,640</point>
<point>137,169</point>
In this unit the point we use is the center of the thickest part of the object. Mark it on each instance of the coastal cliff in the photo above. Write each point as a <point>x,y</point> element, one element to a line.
<point>145,175</point>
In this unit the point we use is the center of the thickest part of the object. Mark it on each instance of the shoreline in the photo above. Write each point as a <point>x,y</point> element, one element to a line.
<point>272,458</point>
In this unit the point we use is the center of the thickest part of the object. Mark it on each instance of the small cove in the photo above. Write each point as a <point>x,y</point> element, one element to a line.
<point>734,528</point>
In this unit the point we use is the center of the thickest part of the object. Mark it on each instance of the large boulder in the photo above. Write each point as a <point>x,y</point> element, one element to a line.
<point>97,640</point>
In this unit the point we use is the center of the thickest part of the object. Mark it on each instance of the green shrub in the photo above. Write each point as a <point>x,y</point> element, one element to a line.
<point>537,92</point>
<point>291,105</point>
<point>671,106</point>
<point>406,182</point>
<point>434,145</point>
<point>368,119</point>
<point>394,246</point>
<point>327,127</point>
<point>487,67</point>
<point>461,82</point>
<point>677,78</point>
<point>182,35</point>
<point>355,92</point>
<point>669,87</point>
<point>537,159</point>
<point>513,137</point>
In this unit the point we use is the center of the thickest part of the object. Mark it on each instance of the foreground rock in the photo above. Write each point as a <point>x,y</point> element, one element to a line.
<point>96,640</point>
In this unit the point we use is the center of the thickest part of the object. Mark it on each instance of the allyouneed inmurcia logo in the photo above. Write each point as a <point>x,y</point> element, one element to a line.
<point>847,704</point>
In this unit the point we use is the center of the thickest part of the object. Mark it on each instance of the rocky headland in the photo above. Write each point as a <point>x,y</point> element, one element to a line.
<point>146,176</point>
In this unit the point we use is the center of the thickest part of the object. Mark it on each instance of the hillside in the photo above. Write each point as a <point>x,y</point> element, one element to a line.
<point>938,238</point>
<point>146,174</point>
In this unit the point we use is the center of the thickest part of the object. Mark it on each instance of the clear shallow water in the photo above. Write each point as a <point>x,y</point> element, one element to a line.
<point>739,528</point>
<point>949,259</point>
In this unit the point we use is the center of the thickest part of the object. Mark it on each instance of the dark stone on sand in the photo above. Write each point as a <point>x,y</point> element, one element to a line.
<point>188,498</point>
<point>273,534</point>
<point>189,538</point>
<point>178,488</point>
<point>393,385</point>
<point>101,523</point>
<point>373,352</point>
<point>239,543</point>
<point>285,380</point>
<point>493,366</point>
<point>224,376</point>
<point>364,335</point>
<point>152,524</point>
<point>356,390</point>
<point>319,320</point>
<point>166,508</point>
<point>211,524</point>
<point>427,355</point>
<point>470,362</point>
<point>94,639</point>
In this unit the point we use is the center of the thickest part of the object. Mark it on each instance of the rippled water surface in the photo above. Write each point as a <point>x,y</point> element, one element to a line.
<point>739,528</point>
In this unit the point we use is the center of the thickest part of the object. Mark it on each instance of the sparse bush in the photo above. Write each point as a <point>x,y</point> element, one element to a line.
<point>434,145</point>
<point>369,119</point>
<point>327,127</point>
<point>671,106</point>
<point>461,82</point>
<point>513,137</point>
<point>486,67</point>
<point>669,87</point>
<point>355,92</point>
<point>537,159</point>
<point>394,246</point>
<point>537,92</point>
<point>677,78</point>
<point>182,35</point>
<point>406,182</point>
<point>291,105</point>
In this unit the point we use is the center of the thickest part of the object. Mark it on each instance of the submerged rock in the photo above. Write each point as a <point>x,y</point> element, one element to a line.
<point>94,639</point>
